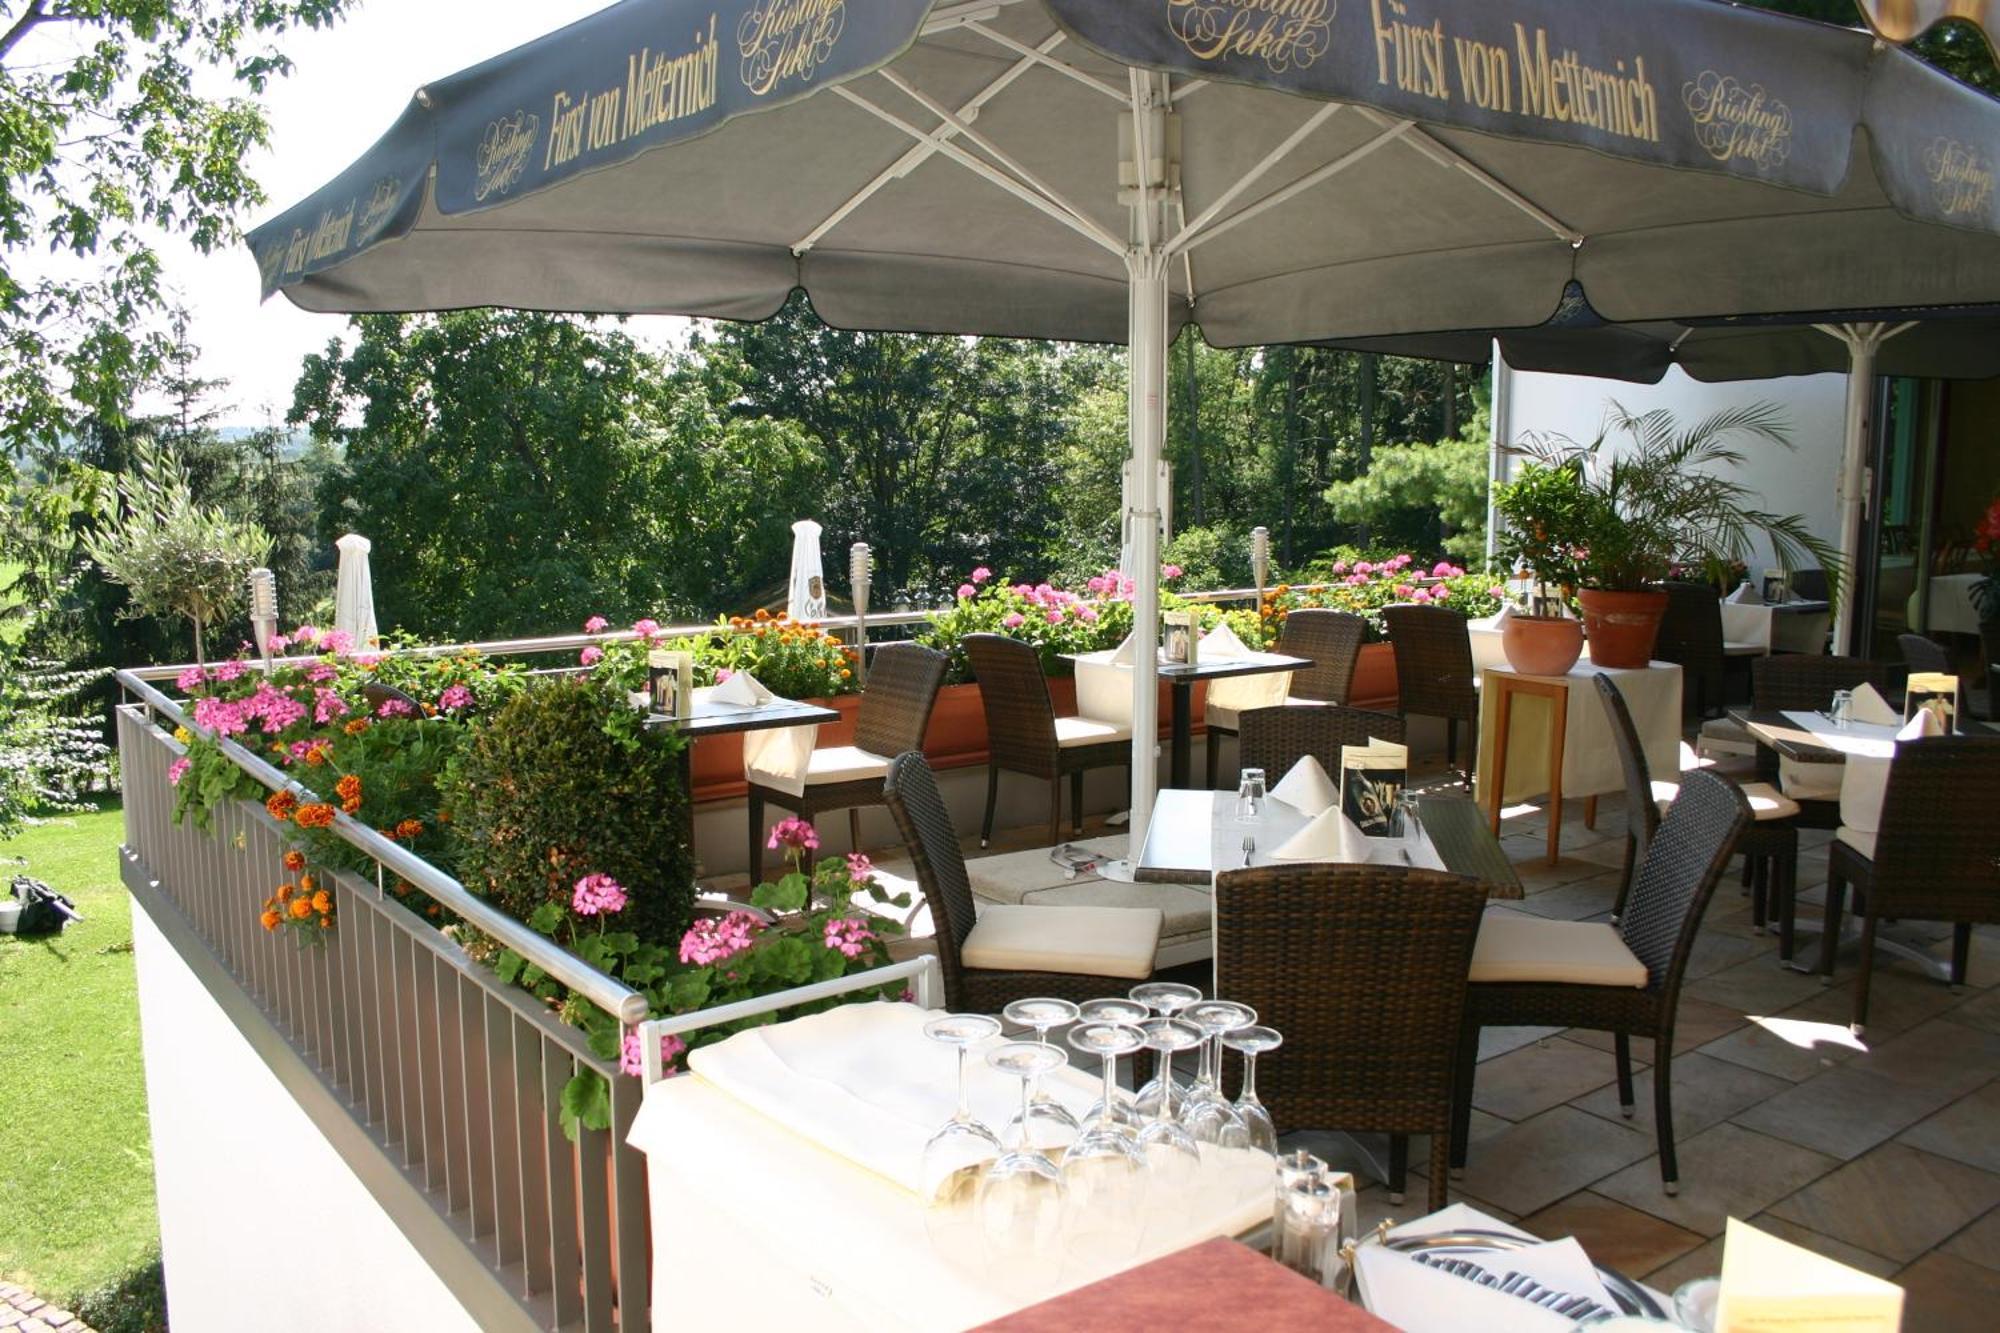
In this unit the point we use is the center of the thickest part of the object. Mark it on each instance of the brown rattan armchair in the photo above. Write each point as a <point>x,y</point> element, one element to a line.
<point>1332,640</point>
<point>1934,857</point>
<point>1363,969</point>
<point>1770,846</point>
<point>1024,735</point>
<point>1434,672</point>
<point>895,712</point>
<point>1276,738</point>
<point>1691,635</point>
<point>1806,681</point>
<point>1010,951</point>
<point>1531,972</point>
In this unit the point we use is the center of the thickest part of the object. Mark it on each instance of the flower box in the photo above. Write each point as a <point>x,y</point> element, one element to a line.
<point>1374,684</point>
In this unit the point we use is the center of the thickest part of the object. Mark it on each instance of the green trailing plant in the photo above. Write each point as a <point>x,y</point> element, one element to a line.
<point>1662,493</point>
<point>174,556</point>
<point>48,758</point>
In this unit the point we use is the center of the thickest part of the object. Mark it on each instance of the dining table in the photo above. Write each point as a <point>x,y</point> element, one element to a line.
<point>708,716</point>
<point>1194,834</point>
<point>1182,677</point>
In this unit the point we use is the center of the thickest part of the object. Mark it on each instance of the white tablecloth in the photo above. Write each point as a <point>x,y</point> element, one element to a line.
<point>1747,622</point>
<point>1952,610</point>
<point>1590,756</point>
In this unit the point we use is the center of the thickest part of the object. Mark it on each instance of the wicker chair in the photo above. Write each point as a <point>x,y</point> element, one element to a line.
<point>1933,857</point>
<point>1434,673</point>
<point>1276,738</point>
<point>895,712</point>
<point>1770,846</point>
<point>1519,967</point>
<point>1922,654</point>
<point>1024,735</point>
<point>1332,640</point>
<point>1805,681</point>
<point>1691,635</point>
<point>1363,969</point>
<point>1051,950</point>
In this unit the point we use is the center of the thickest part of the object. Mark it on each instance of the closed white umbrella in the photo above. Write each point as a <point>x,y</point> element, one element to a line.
<point>354,593</point>
<point>808,595</point>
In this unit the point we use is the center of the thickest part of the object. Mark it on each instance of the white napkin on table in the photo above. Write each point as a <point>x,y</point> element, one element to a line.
<point>1330,837</point>
<point>1865,778</point>
<point>1869,706</point>
<point>778,756</point>
<point>741,690</point>
<point>1745,594</point>
<point>1221,645</point>
<point>1307,787</point>
<point>1495,622</point>
<point>1124,655</point>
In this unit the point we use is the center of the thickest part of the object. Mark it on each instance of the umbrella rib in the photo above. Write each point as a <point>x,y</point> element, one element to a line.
<point>1044,58</point>
<point>1256,173</point>
<point>1447,157</point>
<point>1299,186</point>
<point>979,167</point>
<point>917,154</point>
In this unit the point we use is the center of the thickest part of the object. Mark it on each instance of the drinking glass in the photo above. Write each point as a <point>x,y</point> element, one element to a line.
<point>1048,1123</point>
<point>1250,796</point>
<point>1172,1156</point>
<point>1114,1010</point>
<point>1842,711</point>
<point>1021,1196</point>
<point>957,1155</point>
<point>1105,1170</point>
<point>1206,1112</point>
<point>1165,998</point>
<point>1252,1042</point>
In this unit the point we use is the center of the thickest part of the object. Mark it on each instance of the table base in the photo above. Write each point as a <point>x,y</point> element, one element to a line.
<point>1849,946</point>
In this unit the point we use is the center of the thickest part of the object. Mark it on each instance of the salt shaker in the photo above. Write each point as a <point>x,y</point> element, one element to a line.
<point>1311,1229</point>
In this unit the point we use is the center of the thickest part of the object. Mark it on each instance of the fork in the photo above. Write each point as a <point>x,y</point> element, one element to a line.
<point>1249,846</point>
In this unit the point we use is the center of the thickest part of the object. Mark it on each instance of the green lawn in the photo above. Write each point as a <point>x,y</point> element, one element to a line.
<point>76,1159</point>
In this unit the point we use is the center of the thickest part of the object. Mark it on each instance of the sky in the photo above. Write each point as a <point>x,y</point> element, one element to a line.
<point>349,84</point>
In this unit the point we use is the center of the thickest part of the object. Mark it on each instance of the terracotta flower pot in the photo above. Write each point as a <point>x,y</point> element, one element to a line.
<point>1621,626</point>
<point>1541,645</point>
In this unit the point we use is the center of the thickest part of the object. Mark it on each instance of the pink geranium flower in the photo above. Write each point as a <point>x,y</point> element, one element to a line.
<point>966,592</point>
<point>455,698</point>
<point>591,655</point>
<point>595,625</point>
<point>1170,571</point>
<point>1087,614</point>
<point>190,680</point>
<point>1055,615</point>
<point>597,895</point>
<point>715,939</point>
<point>632,1054</point>
<point>1404,590</point>
<point>848,936</point>
<point>1443,570</point>
<point>1497,592</point>
<point>1363,567</point>
<point>1424,595</point>
<point>981,574</point>
<point>859,867</point>
<point>646,629</point>
<point>178,770</point>
<point>1013,620</point>
<point>794,833</point>
<point>1339,567</point>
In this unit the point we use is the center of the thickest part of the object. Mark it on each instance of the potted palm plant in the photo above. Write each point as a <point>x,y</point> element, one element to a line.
<point>1661,493</point>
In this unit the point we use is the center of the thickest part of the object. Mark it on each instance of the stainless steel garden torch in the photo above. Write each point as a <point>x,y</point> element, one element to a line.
<point>860,573</point>
<point>1260,559</point>
<point>264,611</point>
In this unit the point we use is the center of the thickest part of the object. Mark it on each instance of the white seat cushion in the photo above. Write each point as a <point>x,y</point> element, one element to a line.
<point>1076,940</point>
<point>1721,736</point>
<point>1809,782</point>
<point>1733,648</point>
<point>1073,731</point>
<point>1221,717</point>
<point>1860,840</point>
<point>843,763</point>
<point>1513,947</point>
<point>1766,801</point>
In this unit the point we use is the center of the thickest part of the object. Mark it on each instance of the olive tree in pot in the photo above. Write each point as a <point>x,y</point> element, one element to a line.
<point>1660,493</point>
<point>1550,518</point>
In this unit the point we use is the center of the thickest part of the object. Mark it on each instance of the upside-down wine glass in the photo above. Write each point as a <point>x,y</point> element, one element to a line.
<point>1021,1196</point>
<point>1251,1042</point>
<point>1206,1112</point>
<point>1131,1013</point>
<point>1046,1122</point>
<point>956,1157</point>
<point>1105,1169</point>
<point>1165,998</point>
<point>1172,1155</point>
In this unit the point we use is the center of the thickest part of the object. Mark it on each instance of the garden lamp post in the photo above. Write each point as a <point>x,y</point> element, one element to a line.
<point>264,611</point>
<point>860,571</point>
<point>1260,559</point>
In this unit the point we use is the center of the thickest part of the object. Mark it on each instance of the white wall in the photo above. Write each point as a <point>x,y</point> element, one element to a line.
<point>262,1224</point>
<point>1801,481</point>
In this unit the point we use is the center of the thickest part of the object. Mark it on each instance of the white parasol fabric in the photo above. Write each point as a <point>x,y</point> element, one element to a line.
<point>354,593</point>
<point>807,600</point>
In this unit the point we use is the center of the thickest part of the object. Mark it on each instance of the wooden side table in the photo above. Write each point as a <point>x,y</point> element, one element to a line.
<point>1505,685</point>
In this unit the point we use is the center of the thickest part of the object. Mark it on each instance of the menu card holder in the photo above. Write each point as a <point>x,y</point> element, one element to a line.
<point>1770,1285</point>
<point>1936,691</point>
<point>670,681</point>
<point>1183,637</point>
<point>1372,778</point>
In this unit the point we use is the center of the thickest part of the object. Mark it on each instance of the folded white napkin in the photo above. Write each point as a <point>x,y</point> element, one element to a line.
<point>1221,645</point>
<point>1865,778</point>
<point>1330,837</point>
<point>1307,788</point>
<point>1745,594</point>
<point>1124,655</point>
<point>1870,706</point>
<point>742,689</point>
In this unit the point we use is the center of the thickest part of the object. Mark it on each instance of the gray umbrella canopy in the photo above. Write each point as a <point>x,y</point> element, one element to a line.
<point>1278,170</point>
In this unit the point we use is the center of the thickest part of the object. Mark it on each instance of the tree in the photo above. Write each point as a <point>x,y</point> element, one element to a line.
<point>1423,497</point>
<point>1955,47</point>
<point>107,139</point>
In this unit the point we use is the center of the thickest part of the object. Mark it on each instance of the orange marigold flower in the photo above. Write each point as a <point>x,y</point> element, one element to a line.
<point>326,923</point>
<point>302,908</point>
<point>845,674</point>
<point>348,788</point>
<point>316,756</point>
<point>295,860</point>
<point>270,919</point>
<point>356,727</point>
<point>285,892</point>
<point>352,807</point>
<point>318,814</point>
<point>322,901</point>
<point>762,614</point>
<point>280,804</point>
<point>307,883</point>
<point>409,828</point>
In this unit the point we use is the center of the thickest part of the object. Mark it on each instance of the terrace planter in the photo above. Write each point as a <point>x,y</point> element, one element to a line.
<point>1542,645</point>
<point>1622,626</point>
<point>1374,684</point>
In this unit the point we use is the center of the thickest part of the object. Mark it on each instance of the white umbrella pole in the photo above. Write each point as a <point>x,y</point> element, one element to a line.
<point>1146,418</point>
<point>1862,342</point>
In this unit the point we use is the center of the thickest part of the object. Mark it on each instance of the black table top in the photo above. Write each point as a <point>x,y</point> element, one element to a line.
<point>708,718</point>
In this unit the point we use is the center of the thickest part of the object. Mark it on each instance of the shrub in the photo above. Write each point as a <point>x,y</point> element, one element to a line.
<point>562,782</point>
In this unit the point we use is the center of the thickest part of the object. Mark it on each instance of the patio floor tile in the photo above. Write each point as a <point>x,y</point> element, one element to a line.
<point>1726,1171</point>
<point>1695,1024</point>
<point>1613,1234</point>
<point>1531,1165</point>
<point>1897,1002</point>
<point>1716,951</point>
<point>1846,1111</point>
<point>1574,902</point>
<point>1495,1042</point>
<point>1707,1091</point>
<point>1532,1078</point>
<point>1895,1201</point>
<point>1940,1050</point>
<point>1757,985</point>
<point>1942,1291</point>
<point>1966,1131</point>
<point>1795,1050</point>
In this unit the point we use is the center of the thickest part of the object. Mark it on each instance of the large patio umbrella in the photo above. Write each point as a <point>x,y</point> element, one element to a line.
<point>1280,170</point>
